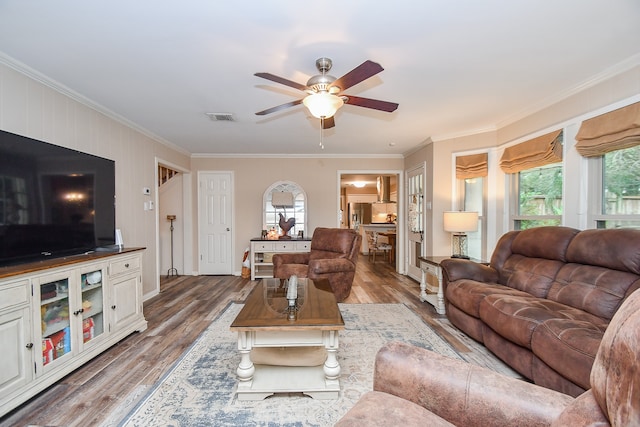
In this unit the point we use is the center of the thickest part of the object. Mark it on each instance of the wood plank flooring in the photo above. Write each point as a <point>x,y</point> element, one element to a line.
<point>184,308</point>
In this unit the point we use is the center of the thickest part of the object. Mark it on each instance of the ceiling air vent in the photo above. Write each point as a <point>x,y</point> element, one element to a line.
<point>220,117</point>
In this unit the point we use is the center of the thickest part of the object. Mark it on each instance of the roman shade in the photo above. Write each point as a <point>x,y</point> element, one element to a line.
<point>472,166</point>
<point>540,151</point>
<point>282,199</point>
<point>608,132</point>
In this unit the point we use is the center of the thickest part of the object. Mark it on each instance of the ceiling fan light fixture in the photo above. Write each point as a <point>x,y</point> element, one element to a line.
<point>323,104</point>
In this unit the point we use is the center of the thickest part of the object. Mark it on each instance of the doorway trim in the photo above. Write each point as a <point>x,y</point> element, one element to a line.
<point>186,212</point>
<point>401,262</point>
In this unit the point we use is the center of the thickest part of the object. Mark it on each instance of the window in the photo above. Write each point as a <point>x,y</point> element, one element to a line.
<point>536,171</point>
<point>620,203</point>
<point>271,217</point>
<point>472,192</point>
<point>471,179</point>
<point>416,203</point>
<point>538,196</point>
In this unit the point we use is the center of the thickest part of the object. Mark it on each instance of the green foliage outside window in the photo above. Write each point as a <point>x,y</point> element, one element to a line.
<point>541,191</point>
<point>622,182</point>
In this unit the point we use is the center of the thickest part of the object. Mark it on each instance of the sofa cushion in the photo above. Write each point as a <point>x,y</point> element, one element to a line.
<point>468,294</point>
<point>532,275</point>
<point>516,317</point>
<point>568,346</point>
<point>597,290</point>
<point>544,242</point>
<point>330,243</point>
<point>616,249</point>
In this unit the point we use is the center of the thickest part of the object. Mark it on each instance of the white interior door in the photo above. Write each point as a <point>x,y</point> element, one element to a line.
<point>215,222</point>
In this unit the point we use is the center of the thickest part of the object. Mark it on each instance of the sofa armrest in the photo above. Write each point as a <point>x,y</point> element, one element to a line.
<point>326,266</point>
<point>290,258</point>
<point>463,393</point>
<point>455,269</point>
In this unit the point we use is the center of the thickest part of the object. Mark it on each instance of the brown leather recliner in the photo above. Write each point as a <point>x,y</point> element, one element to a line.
<point>333,256</point>
<point>413,386</point>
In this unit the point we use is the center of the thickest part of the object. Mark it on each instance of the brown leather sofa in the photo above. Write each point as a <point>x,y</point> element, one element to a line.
<point>416,387</point>
<point>333,256</point>
<point>546,299</point>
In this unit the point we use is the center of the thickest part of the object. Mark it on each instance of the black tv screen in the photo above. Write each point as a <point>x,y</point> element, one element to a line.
<point>54,201</point>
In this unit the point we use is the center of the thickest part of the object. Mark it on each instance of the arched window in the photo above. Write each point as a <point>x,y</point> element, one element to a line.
<point>297,209</point>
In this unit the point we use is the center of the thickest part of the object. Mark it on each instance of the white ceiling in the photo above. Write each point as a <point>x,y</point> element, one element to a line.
<point>455,67</point>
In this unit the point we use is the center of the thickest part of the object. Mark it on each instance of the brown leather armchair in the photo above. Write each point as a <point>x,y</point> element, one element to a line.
<point>413,386</point>
<point>333,256</point>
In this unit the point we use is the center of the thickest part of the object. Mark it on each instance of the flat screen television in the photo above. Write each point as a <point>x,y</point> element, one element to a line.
<point>54,201</point>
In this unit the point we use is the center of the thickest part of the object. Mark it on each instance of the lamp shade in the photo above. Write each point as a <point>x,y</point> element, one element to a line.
<point>460,221</point>
<point>323,104</point>
<point>282,199</point>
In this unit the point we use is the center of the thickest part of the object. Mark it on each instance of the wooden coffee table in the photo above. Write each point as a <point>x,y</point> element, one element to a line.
<point>264,322</point>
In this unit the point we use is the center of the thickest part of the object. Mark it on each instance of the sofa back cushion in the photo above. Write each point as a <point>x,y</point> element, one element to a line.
<point>529,260</point>
<point>617,249</point>
<point>329,243</point>
<point>603,269</point>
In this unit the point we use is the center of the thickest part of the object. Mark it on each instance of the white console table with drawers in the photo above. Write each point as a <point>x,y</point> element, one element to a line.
<point>262,251</point>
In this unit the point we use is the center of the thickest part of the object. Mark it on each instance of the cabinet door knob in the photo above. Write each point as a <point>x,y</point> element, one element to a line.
<point>30,345</point>
<point>127,265</point>
<point>113,307</point>
<point>75,313</point>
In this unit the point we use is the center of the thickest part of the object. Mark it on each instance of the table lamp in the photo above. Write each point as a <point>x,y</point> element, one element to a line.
<point>458,223</point>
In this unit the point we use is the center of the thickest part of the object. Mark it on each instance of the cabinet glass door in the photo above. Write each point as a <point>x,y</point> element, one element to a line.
<point>93,318</point>
<point>56,328</point>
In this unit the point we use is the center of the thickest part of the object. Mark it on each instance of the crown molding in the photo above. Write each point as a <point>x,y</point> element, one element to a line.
<point>609,73</point>
<point>294,156</point>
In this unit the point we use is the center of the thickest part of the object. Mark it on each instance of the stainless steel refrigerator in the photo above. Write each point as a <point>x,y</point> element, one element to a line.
<point>359,213</point>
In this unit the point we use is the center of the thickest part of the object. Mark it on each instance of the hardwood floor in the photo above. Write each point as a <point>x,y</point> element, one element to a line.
<point>177,316</point>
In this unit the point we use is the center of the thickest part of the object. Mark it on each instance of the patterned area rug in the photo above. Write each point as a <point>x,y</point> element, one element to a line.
<point>199,390</point>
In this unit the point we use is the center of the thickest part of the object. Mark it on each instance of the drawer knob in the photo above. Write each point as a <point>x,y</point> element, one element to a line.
<point>127,265</point>
<point>113,307</point>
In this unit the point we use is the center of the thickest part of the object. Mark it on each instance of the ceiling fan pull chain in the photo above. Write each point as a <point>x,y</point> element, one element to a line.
<point>321,133</point>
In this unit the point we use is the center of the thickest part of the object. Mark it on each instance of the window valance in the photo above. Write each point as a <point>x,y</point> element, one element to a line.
<point>612,131</point>
<point>540,151</point>
<point>472,166</point>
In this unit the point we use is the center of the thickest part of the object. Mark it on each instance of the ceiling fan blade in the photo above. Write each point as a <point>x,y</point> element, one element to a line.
<point>281,80</point>
<point>328,123</point>
<point>279,107</point>
<point>360,73</point>
<point>371,103</point>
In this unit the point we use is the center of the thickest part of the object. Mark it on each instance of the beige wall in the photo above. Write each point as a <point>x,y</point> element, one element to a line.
<point>567,113</point>
<point>252,176</point>
<point>32,109</point>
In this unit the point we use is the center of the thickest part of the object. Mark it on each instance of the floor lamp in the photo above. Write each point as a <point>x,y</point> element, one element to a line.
<point>172,270</point>
<point>459,223</point>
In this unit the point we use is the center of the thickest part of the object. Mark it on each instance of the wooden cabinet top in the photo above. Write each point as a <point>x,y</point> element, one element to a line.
<point>16,270</point>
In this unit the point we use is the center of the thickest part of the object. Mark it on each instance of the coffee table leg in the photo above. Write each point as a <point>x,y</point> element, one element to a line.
<point>245,369</point>
<point>331,365</point>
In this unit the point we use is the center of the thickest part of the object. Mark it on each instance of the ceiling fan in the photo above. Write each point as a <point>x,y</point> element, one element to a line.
<point>325,92</point>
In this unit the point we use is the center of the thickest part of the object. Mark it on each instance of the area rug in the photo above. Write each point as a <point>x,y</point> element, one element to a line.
<point>199,389</point>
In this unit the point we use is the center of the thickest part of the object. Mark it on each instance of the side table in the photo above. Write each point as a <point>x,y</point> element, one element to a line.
<point>431,265</point>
